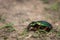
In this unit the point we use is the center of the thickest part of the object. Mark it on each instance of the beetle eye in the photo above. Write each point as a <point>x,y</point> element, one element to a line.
<point>31,28</point>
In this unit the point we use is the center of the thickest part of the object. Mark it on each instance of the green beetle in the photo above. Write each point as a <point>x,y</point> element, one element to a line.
<point>43,25</point>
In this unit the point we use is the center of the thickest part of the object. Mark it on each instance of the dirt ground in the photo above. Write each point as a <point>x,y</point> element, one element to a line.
<point>22,12</point>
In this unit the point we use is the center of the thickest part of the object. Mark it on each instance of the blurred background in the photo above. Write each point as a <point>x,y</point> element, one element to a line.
<point>17,14</point>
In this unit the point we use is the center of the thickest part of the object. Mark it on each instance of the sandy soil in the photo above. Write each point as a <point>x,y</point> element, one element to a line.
<point>22,12</point>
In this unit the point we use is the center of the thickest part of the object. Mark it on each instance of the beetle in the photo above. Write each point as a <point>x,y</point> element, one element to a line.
<point>43,25</point>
